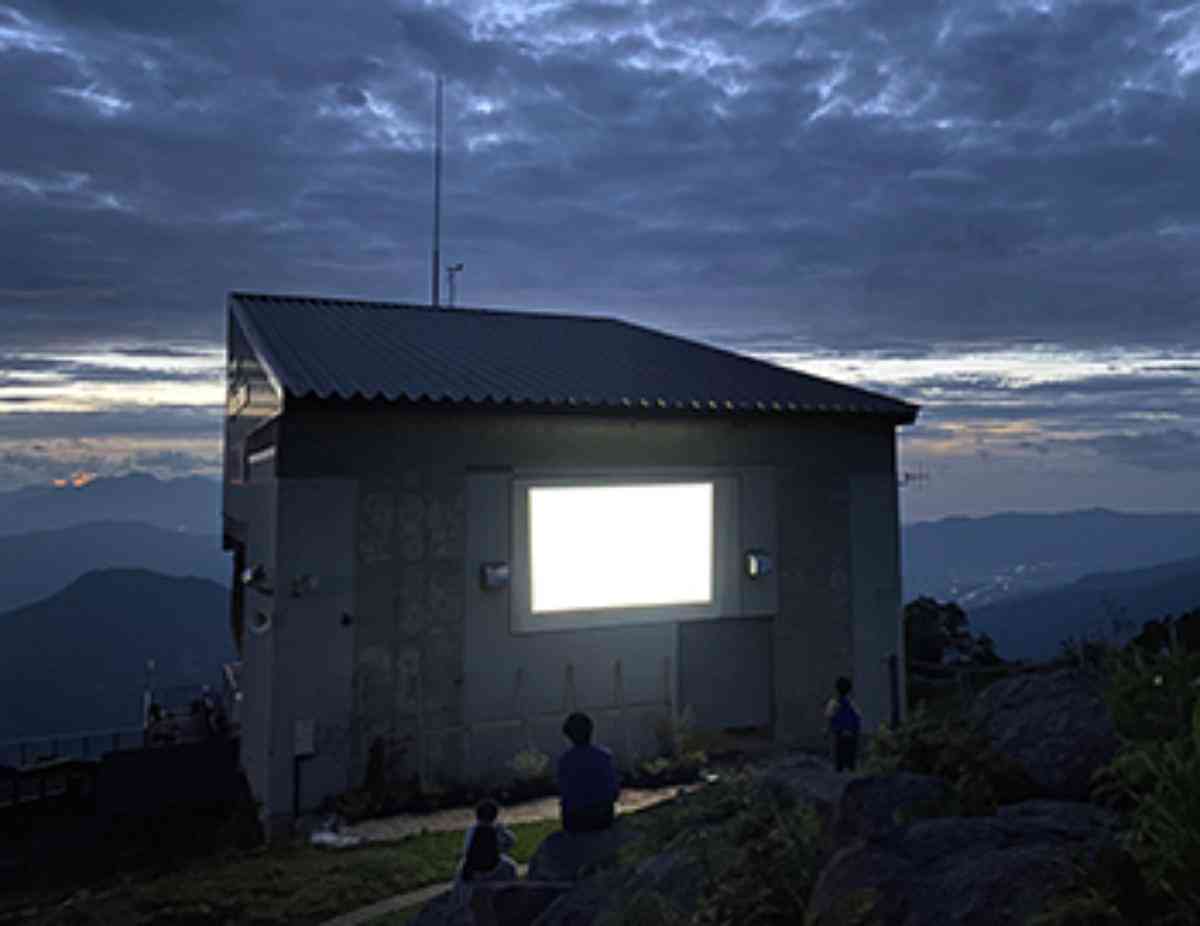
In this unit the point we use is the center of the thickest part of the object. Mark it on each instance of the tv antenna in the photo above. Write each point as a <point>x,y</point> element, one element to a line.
<point>437,191</point>
<point>451,271</point>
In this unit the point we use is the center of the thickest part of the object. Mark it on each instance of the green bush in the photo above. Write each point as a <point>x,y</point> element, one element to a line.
<point>1154,779</point>
<point>530,765</point>
<point>1151,698</point>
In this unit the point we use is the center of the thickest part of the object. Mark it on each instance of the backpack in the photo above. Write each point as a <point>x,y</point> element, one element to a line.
<point>845,720</point>
<point>483,854</point>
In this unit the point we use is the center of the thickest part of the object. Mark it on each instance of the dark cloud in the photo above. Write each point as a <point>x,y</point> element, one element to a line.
<point>186,421</point>
<point>896,180</point>
<point>948,173</point>
<point>69,371</point>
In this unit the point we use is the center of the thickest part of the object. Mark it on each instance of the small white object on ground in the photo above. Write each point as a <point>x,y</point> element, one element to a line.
<point>334,840</point>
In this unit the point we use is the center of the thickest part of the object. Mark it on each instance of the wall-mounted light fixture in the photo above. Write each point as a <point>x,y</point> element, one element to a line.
<point>255,577</point>
<point>758,564</point>
<point>260,623</point>
<point>493,575</point>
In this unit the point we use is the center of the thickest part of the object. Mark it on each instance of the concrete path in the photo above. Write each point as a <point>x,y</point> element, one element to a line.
<point>460,818</point>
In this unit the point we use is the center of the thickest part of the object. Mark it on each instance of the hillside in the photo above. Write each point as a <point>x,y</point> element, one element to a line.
<point>77,660</point>
<point>39,563</point>
<point>979,561</point>
<point>1032,626</point>
<point>192,504</point>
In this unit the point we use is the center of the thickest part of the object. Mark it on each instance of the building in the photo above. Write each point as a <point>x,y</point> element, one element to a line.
<point>451,527</point>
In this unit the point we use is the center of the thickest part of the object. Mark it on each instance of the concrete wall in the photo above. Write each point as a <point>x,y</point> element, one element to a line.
<point>251,514</point>
<point>313,637</point>
<point>256,507</point>
<point>434,664</point>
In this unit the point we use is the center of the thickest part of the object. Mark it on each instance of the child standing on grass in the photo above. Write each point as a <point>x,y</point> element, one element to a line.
<point>845,722</point>
<point>484,846</point>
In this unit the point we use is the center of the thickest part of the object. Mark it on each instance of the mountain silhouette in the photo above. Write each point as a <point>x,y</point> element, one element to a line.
<point>77,660</point>
<point>37,564</point>
<point>978,561</point>
<point>1033,626</point>
<point>192,503</point>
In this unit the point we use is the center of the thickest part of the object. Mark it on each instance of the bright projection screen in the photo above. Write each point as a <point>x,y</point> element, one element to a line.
<point>618,546</point>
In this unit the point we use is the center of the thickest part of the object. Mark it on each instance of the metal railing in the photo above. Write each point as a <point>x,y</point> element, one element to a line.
<point>89,744</point>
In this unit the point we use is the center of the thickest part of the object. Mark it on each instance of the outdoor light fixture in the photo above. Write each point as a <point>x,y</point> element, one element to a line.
<point>255,577</point>
<point>493,575</point>
<point>260,623</point>
<point>758,564</point>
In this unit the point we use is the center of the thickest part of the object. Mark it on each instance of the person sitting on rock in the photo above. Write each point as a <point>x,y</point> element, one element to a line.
<point>587,780</point>
<point>845,722</point>
<point>483,852</point>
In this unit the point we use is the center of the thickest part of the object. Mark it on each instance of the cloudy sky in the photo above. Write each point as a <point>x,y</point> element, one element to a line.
<point>987,208</point>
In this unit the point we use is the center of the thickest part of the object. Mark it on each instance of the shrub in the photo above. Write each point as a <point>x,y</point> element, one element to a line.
<point>1151,697</point>
<point>1158,782</point>
<point>670,770</point>
<point>1153,779</point>
<point>530,765</point>
<point>676,731</point>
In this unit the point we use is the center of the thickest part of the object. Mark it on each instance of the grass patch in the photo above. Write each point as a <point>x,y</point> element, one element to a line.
<point>296,883</point>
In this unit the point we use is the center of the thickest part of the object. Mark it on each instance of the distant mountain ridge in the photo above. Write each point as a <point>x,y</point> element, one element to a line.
<point>1033,626</point>
<point>77,660</point>
<point>980,561</point>
<point>39,563</point>
<point>191,503</point>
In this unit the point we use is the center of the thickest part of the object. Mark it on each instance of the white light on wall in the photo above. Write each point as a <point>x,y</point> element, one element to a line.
<point>595,547</point>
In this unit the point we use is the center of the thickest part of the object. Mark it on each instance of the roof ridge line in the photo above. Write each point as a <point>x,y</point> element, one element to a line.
<point>415,306</point>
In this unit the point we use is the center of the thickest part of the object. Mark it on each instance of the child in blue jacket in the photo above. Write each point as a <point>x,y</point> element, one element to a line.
<point>845,723</point>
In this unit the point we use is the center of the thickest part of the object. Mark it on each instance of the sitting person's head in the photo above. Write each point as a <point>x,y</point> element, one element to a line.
<point>843,686</point>
<point>486,811</point>
<point>578,729</point>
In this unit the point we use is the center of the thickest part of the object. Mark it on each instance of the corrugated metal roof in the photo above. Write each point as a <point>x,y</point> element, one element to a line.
<point>348,349</point>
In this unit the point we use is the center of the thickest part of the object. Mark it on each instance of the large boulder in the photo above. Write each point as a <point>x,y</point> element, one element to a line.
<point>982,871</point>
<point>671,878</point>
<point>870,807</point>
<point>564,856</point>
<point>809,778</point>
<point>1054,725</point>
<point>512,903</point>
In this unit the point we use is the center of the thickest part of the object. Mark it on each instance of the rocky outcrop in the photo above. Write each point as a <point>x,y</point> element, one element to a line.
<point>983,871</point>
<point>890,857</point>
<point>674,878</point>
<point>564,856</point>
<point>512,903</point>
<point>809,778</point>
<point>870,808</point>
<point>1055,725</point>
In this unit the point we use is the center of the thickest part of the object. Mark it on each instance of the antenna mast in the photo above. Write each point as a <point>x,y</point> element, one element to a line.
<point>437,192</point>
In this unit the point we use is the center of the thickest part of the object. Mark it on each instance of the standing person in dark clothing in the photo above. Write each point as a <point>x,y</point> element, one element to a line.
<point>587,780</point>
<point>845,723</point>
